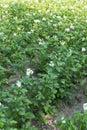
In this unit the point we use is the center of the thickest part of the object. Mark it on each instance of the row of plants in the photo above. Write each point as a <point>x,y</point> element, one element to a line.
<point>44,46</point>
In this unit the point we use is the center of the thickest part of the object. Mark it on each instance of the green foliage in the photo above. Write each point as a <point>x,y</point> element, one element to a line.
<point>15,108</point>
<point>48,37</point>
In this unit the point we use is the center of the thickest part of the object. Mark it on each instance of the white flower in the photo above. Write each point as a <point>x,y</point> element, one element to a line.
<point>36,0</point>
<point>1,5</point>
<point>51,64</point>
<point>40,39</point>
<point>3,16</point>
<point>28,32</point>
<point>73,10</point>
<point>72,27</point>
<point>37,21</point>
<point>83,38</point>
<point>19,28</point>
<point>47,11</point>
<point>60,23</point>
<point>86,20</point>
<point>15,18</point>
<point>75,19</point>
<point>59,17</point>
<point>62,7</point>
<point>6,12</point>
<point>22,1</point>
<point>71,7</point>
<point>28,14</point>
<point>69,53</point>
<point>64,17</point>
<point>67,29</point>
<point>55,37</point>
<point>85,7</point>
<point>55,25</point>
<point>29,72</point>
<point>15,0</point>
<point>85,106</point>
<point>34,14</point>
<point>54,16</point>
<point>32,30</point>
<point>41,43</point>
<point>39,11</point>
<point>63,120</point>
<point>47,37</point>
<point>18,83</point>
<point>62,43</point>
<point>83,49</point>
<point>6,6</point>
<point>1,33</point>
<point>15,34</point>
<point>32,7</point>
<point>0,103</point>
<point>51,21</point>
<point>44,19</point>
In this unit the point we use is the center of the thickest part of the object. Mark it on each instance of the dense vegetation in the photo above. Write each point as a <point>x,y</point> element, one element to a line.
<point>43,57</point>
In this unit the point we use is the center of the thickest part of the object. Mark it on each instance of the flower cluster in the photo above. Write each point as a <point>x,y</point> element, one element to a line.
<point>85,106</point>
<point>18,83</point>
<point>62,42</point>
<point>44,19</point>
<point>63,120</point>
<point>51,64</point>
<point>37,21</point>
<point>71,27</point>
<point>67,29</point>
<point>0,103</point>
<point>83,49</point>
<point>29,72</point>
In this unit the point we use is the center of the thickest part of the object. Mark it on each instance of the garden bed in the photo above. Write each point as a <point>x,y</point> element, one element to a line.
<point>43,54</point>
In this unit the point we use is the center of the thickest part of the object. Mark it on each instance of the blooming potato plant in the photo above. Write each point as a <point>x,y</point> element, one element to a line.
<point>45,48</point>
